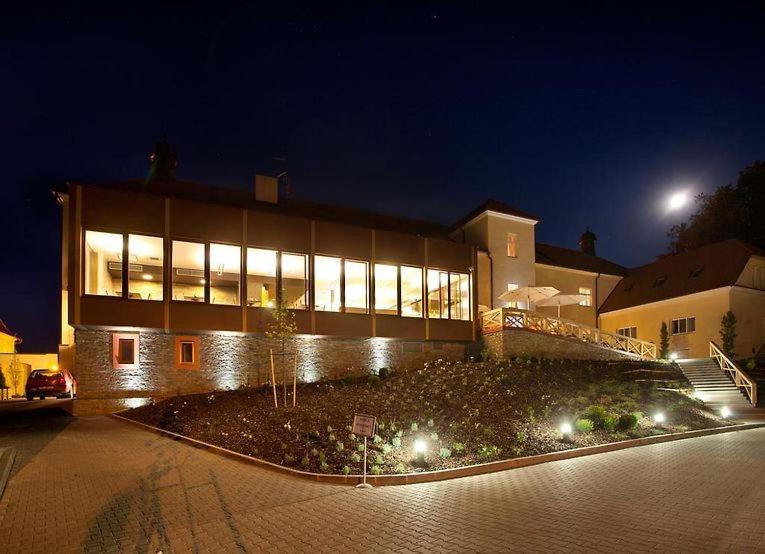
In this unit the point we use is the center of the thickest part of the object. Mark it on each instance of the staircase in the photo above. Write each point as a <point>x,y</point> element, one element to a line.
<point>716,389</point>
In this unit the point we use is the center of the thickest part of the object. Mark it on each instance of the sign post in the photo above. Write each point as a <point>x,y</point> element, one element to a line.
<point>364,426</point>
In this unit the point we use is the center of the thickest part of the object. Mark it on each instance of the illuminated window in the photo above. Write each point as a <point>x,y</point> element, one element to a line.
<point>356,287</point>
<point>261,278</point>
<point>588,293</point>
<point>411,291</point>
<point>225,274</point>
<point>327,284</point>
<point>438,294</point>
<point>103,263</point>
<point>125,351</point>
<point>188,271</point>
<point>683,325</point>
<point>459,296</point>
<point>630,332</point>
<point>295,281</point>
<point>386,289</point>
<point>145,256</point>
<point>512,245</point>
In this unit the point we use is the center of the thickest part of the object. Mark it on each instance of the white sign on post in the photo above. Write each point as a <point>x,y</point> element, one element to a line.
<point>364,426</point>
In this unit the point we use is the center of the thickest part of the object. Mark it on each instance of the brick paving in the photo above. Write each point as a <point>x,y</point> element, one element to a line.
<point>99,485</point>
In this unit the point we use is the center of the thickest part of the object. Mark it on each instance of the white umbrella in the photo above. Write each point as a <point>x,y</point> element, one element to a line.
<point>562,300</point>
<point>529,294</point>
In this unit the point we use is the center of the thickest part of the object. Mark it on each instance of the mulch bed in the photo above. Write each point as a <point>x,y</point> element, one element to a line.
<point>466,413</point>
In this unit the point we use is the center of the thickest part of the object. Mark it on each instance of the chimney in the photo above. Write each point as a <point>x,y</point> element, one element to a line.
<point>266,189</point>
<point>587,242</point>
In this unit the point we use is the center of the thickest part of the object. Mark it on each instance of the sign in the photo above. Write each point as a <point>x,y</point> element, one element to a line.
<point>364,425</point>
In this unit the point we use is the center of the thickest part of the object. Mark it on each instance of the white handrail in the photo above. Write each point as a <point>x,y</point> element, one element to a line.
<point>741,379</point>
<point>511,318</point>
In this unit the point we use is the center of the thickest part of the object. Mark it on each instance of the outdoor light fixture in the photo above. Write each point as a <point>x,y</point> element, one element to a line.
<point>566,429</point>
<point>420,447</point>
<point>673,356</point>
<point>725,412</point>
<point>659,417</point>
<point>147,277</point>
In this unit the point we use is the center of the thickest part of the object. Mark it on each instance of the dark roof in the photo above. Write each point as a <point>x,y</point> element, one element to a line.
<point>241,198</point>
<point>4,329</point>
<point>710,267</point>
<point>575,259</point>
<point>494,206</point>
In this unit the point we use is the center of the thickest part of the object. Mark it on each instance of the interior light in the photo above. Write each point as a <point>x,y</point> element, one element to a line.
<point>202,281</point>
<point>147,276</point>
<point>270,304</point>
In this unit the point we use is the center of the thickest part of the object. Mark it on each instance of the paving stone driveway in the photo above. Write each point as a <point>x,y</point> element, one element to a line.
<point>97,484</point>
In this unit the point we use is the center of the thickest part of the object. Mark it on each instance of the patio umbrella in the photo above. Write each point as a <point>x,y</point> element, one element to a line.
<point>529,294</point>
<point>562,300</point>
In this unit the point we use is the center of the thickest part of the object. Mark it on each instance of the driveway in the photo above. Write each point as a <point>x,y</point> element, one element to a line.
<point>97,484</point>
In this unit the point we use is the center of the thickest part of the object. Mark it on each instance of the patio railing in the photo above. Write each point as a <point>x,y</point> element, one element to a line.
<point>741,379</point>
<point>512,318</point>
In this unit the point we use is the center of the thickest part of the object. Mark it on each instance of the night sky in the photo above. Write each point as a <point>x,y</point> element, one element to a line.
<point>583,115</point>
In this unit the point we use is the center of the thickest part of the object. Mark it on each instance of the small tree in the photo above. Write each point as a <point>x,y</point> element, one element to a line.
<point>664,341</point>
<point>728,333</point>
<point>282,328</point>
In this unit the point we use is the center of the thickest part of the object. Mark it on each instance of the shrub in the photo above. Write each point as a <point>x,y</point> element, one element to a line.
<point>609,422</point>
<point>596,414</point>
<point>414,427</point>
<point>360,448</point>
<point>444,453</point>
<point>458,447</point>
<point>340,446</point>
<point>584,426</point>
<point>430,423</point>
<point>400,468</point>
<point>627,422</point>
<point>379,459</point>
<point>488,450</point>
<point>346,470</point>
<point>376,470</point>
<point>355,458</point>
<point>324,466</point>
<point>306,461</point>
<point>396,441</point>
<point>386,448</point>
<point>434,437</point>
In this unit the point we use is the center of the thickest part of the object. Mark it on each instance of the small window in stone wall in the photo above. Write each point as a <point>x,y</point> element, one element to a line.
<point>411,347</point>
<point>187,352</point>
<point>125,351</point>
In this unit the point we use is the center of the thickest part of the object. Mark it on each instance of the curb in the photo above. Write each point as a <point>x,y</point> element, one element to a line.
<point>444,474</point>
<point>8,455</point>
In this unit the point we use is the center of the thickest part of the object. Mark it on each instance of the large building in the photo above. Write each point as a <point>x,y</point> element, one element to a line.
<point>173,286</point>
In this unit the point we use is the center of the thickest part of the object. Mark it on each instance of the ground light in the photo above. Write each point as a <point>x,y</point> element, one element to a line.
<point>725,412</point>
<point>420,447</point>
<point>673,356</point>
<point>566,430</point>
<point>659,417</point>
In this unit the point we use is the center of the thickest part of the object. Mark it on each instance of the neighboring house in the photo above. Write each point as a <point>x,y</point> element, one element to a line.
<point>691,292</point>
<point>15,365</point>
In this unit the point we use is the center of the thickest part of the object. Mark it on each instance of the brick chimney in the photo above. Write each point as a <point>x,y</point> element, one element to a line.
<point>587,242</point>
<point>266,189</point>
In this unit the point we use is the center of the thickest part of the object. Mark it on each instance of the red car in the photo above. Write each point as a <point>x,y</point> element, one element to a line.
<point>51,382</point>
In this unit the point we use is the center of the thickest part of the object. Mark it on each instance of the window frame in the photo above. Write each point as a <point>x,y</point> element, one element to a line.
<point>423,300</point>
<point>514,242</point>
<point>208,272</point>
<point>586,303</point>
<point>687,323</point>
<point>180,340</point>
<point>307,278</point>
<point>341,283</point>
<point>373,279</point>
<point>205,270</point>
<point>123,259</point>
<point>117,339</point>
<point>631,331</point>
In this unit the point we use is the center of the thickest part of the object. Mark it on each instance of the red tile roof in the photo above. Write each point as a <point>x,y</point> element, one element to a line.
<point>707,268</point>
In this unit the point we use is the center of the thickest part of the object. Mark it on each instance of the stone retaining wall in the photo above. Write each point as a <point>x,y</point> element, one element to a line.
<point>511,343</point>
<point>230,361</point>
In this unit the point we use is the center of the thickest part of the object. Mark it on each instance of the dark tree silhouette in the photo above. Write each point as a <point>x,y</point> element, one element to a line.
<point>731,212</point>
<point>163,163</point>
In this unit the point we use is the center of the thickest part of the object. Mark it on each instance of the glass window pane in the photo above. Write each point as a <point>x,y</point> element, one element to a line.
<point>327,282</point>
<point>126,352</point>
<point>411,291</point>
<point>145,257</point>
<point>103,263</point>
<point>225,274</point>
<point>356,287</point>
<point>187,352</point>
<point>459,296</point>
<point>261,278</point>
<point>188,271</point>
<point>691,324</point>
<point>437,294</point>
<point>295,281</point>
<point>386,289</point>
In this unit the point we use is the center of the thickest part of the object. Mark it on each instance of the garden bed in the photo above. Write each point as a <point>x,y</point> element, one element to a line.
<point>464,413</point>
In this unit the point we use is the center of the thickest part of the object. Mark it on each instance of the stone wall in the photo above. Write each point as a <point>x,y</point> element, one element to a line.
<point>229,361</point>
<point>511,343</point>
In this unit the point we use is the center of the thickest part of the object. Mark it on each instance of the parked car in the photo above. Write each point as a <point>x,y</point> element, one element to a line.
<point>51,382</point>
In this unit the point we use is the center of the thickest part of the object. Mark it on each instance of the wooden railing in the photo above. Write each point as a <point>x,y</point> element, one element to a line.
<point>512,318</point>
<point>741,379</point>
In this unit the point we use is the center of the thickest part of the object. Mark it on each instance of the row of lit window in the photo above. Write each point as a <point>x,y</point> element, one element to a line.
<point>340,284</point>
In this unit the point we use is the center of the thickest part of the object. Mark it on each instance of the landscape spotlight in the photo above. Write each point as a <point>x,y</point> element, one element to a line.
<point>673,356</point>
<point>659,417</point>
<point>725,412</point>
<point>420,447</point>
<point>565,429</point>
